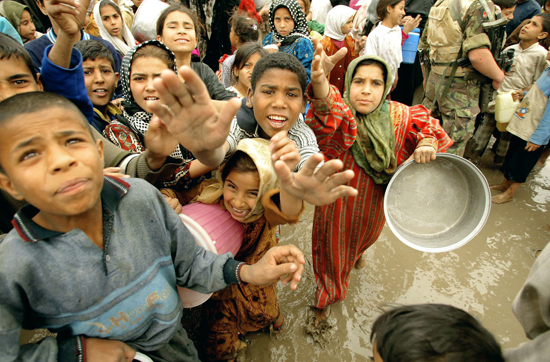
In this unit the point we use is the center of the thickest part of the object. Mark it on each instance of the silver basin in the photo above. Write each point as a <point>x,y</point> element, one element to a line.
<point>438,206</point>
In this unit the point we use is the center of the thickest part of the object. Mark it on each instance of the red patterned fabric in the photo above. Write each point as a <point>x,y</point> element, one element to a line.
<point>248,5</point>
<point>343,231</point>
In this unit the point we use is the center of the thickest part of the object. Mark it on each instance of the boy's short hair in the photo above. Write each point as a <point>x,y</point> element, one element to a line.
<point>545,22</point>
<point>505,4</point>
<point>433,332</point>
<point>93,49</point>
<point>9,47</point>
<point>25,103</point>
<point>279,61</point>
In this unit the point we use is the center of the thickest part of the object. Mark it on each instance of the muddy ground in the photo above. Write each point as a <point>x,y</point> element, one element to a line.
<point>482,277</point>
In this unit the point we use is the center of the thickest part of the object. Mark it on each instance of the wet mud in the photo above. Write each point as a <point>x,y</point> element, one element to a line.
<point>482,277</point>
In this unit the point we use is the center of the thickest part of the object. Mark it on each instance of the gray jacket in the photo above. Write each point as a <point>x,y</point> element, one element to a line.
<point>125,292</point>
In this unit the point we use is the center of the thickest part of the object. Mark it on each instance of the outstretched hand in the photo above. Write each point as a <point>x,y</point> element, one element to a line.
<point>190,115</point>
<point>318,187</point>
<point>321,67</point>
<point>277,262</point>
<point>70,15</point>
<point>328,62</point>
<point>159,143</point>
<point>409,23</point>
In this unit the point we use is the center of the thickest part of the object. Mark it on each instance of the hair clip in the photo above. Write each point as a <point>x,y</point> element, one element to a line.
<point>254,26</point>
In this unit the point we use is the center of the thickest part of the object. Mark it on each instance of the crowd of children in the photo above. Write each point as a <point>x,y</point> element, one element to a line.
<point>80,114</point>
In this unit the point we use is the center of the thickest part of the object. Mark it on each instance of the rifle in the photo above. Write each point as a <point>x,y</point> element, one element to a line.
<point>496,30</point>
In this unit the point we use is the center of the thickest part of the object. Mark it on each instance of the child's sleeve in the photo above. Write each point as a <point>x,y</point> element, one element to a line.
<point>272,210</point>
<point>332,122</point>
<point>68,83</point>
<point>305,140</point>
<point>12,313</point>
<point>541,136</point>
<point>421,130</point>
<point>196,268</point>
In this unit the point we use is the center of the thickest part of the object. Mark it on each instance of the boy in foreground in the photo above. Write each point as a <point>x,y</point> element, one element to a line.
<point>76,264</point>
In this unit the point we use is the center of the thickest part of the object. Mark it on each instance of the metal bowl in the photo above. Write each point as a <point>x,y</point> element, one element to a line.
<point>437,206</point>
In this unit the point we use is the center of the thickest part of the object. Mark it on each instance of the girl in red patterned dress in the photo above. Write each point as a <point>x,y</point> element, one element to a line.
<point>371,136</point>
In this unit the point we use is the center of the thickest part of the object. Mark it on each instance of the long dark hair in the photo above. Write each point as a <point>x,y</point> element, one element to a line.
<point>199,28</point>
<point>242,55</point>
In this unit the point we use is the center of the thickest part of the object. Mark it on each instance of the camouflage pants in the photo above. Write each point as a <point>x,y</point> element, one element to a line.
<point>457,111</point>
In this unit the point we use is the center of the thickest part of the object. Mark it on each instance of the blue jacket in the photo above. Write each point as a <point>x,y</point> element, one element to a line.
<point>125,292</point>
<point>36,49</point>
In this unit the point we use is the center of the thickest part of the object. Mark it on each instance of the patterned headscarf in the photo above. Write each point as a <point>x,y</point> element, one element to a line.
<point>122,46</point>
<point>13,11</point>
<point>300,23</point>
<point>138,119</point>
<point>337,17</point>
<point>374,147</point>
<point>259,152</point>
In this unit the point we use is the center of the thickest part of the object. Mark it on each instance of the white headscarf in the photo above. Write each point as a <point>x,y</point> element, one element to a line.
<point>122,46</point>
<point>337,17</point>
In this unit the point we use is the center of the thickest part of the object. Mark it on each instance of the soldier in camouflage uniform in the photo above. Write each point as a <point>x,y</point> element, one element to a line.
<point>454,30</point>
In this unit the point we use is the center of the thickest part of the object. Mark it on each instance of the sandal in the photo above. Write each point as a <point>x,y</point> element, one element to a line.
<point>277,328</point>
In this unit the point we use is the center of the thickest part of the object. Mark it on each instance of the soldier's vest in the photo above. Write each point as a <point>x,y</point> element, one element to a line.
<point>445,33</point>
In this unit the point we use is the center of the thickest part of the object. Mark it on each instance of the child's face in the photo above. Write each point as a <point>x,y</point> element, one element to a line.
<point>53,162</point>
<point>396,13</point>
<point>302,6</point>
<point>27,29</point>
<point>245,73</point>
<point>283,21</point>
<point>144,70</point>
<point>277,101</point>
<point>179,33</point>
<point>240,193</point>
<point>508,13</point>
<point>533,30</point>
<point>367,88</point>
<point>347,26</point>
<point>16,77</point>
<point>100,80</point>
<point>112,21</point>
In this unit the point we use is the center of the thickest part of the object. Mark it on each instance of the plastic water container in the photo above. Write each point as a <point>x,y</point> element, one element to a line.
<point>505,107</point>
<point>410,47</point>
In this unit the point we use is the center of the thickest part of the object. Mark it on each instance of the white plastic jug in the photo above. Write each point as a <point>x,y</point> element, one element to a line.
<point>505,107</point>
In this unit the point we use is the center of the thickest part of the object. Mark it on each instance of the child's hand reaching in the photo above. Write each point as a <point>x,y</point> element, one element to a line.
<point>284,149</point>
<point>70,15</point>
<point>409,24</point>
<point>191,116</point>
<point>100,350</point>
<point>278,261</point>
<point>321,67</point>
<point>159,143</point>
<point>114,172</point>
<point>320,186</point>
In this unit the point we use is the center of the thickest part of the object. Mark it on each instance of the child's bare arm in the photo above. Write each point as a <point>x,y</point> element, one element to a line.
<point>321,67</point>
<point>277,262</point>
<point>191,116</point>
<point>99,350</point>
<point>283,149</point>
<point>70,16</point>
